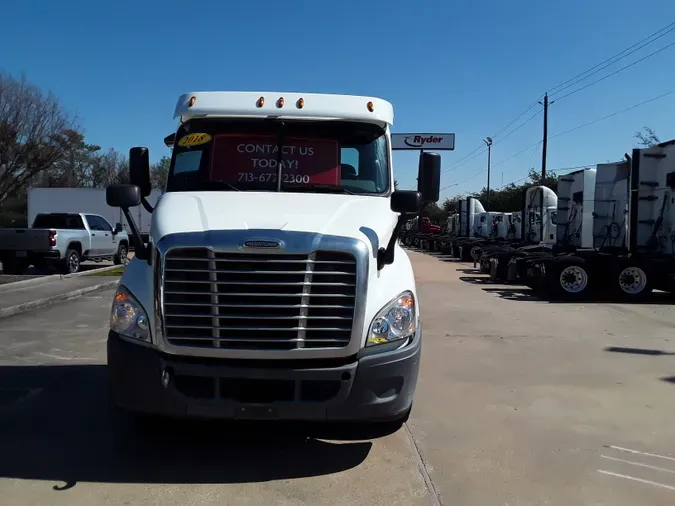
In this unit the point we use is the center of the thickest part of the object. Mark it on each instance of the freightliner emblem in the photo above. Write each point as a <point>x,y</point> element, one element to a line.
<point>262,244</point>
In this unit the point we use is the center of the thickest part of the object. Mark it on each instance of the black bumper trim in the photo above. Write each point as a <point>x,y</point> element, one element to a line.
<point>373,387</point>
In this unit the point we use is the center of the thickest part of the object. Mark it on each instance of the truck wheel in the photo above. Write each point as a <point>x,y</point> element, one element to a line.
<point>122,257</point>
<point>632,283</point>
<point>568,278</point>
<point>71,262</point>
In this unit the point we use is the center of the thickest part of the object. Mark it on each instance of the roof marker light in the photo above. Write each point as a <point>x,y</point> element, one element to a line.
<point>260,102</point>
<point>301,103</point>
<point>280,102</point>
<point>192,101</point>
<point>371,106</point>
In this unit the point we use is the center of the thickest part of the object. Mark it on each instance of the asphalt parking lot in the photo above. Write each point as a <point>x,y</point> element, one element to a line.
<point>519,402</point>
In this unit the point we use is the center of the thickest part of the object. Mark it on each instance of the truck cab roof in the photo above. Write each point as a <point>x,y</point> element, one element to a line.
<point>307,106</point>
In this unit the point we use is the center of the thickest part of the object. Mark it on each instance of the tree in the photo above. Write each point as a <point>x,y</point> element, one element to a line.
<point>647,138</point>
<point>159,172</point>
<point>74,168</point>
<point>35,133</point>
<point>451,205</point>
<point>108,168</point>
<point>506,199</point>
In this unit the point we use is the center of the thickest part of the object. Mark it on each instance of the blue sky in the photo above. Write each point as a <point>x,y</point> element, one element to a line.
<point>463,67</point>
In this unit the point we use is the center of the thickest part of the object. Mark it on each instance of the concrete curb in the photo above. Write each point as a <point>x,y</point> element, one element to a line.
<point>56,277</point>
<point>92,271</point>
<point>30,282</point>
<point>48,301</point>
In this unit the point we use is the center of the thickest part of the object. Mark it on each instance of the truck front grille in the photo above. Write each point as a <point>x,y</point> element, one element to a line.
<point>258,301</point>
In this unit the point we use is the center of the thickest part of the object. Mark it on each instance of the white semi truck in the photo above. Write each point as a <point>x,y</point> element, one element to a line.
<point>628,244</point>
<point>272,285</point>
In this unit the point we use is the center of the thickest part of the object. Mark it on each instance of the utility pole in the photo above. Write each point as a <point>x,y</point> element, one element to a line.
<point>488,141</point>
<point>545,140</point>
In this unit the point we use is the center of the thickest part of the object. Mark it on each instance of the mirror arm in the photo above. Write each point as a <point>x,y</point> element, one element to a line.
<point>141,250</point>
<point>147,205</point>
<point>385,256</point>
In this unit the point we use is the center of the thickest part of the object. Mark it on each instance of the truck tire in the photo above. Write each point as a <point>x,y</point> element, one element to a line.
<point>632,282</point>
<point>568,278</point>
<point>122,256</point>
<point>71,262</point>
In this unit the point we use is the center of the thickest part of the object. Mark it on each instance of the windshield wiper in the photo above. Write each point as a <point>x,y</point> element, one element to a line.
<point>326,188</point>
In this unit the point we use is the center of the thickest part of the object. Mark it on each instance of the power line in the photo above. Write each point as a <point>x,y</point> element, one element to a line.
<point>616,71</point>
<point>480,150</point>
<point>566,84</point>
<point>612,115</point>
<point>518,117</point>
<point>634,106</point>
<point>552,170</point>
<point>468,157</point>
<point>520,126</point>
<point>493,166</point>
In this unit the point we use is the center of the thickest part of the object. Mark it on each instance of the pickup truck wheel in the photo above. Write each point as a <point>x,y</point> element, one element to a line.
<point>71,262</point>
<point>122,257</point>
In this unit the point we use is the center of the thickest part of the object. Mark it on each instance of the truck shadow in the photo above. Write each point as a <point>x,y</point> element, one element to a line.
<point>476,280</point>
<point>515,292</point>
<point>56,425</point>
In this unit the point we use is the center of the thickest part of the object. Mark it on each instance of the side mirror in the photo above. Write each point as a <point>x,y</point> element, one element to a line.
<point>118,228</point>
<point>123,195</point>
<point>429,177</point>
<point>139,170</point>
<point>406,202</point>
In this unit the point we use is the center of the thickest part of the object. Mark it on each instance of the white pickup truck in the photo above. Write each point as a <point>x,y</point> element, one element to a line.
<point>63,240</point>
<point>273,285</point>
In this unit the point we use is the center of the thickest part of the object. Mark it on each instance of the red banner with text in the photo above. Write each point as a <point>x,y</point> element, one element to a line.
<point>254,159</point>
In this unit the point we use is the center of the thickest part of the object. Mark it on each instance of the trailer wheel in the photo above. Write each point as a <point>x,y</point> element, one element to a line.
<point>568,278</point>
<point>633,283</point>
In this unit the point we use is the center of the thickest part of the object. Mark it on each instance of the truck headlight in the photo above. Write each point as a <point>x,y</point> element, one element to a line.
<point>128,318</point>
<point>397,320</point>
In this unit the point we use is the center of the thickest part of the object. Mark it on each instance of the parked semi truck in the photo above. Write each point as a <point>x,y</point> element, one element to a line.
<point>538,234</point>
<point>632,247</point>
<point>272,285</point>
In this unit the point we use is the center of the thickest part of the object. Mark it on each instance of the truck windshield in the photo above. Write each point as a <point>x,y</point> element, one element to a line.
<point>315,156</point>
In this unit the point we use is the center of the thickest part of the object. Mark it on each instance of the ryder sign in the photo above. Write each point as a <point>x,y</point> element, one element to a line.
<point>423,141</point>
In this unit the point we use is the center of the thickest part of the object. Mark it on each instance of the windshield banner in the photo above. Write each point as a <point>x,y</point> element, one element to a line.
<point>253,159</point>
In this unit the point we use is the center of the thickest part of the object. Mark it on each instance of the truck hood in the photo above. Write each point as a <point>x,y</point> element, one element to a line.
<point>369,219</point>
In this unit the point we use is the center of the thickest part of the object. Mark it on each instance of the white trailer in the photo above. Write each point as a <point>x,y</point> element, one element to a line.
<point>632,250</point>
<point>88,201</point>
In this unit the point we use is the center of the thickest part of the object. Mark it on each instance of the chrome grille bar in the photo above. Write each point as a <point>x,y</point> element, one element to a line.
<point>258,301</point>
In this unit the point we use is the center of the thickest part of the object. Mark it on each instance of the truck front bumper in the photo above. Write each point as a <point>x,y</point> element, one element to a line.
<point>376,387</point>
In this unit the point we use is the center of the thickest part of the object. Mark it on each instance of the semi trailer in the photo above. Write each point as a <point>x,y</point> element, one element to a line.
<point>632,247</point>
<point>272,285</point>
